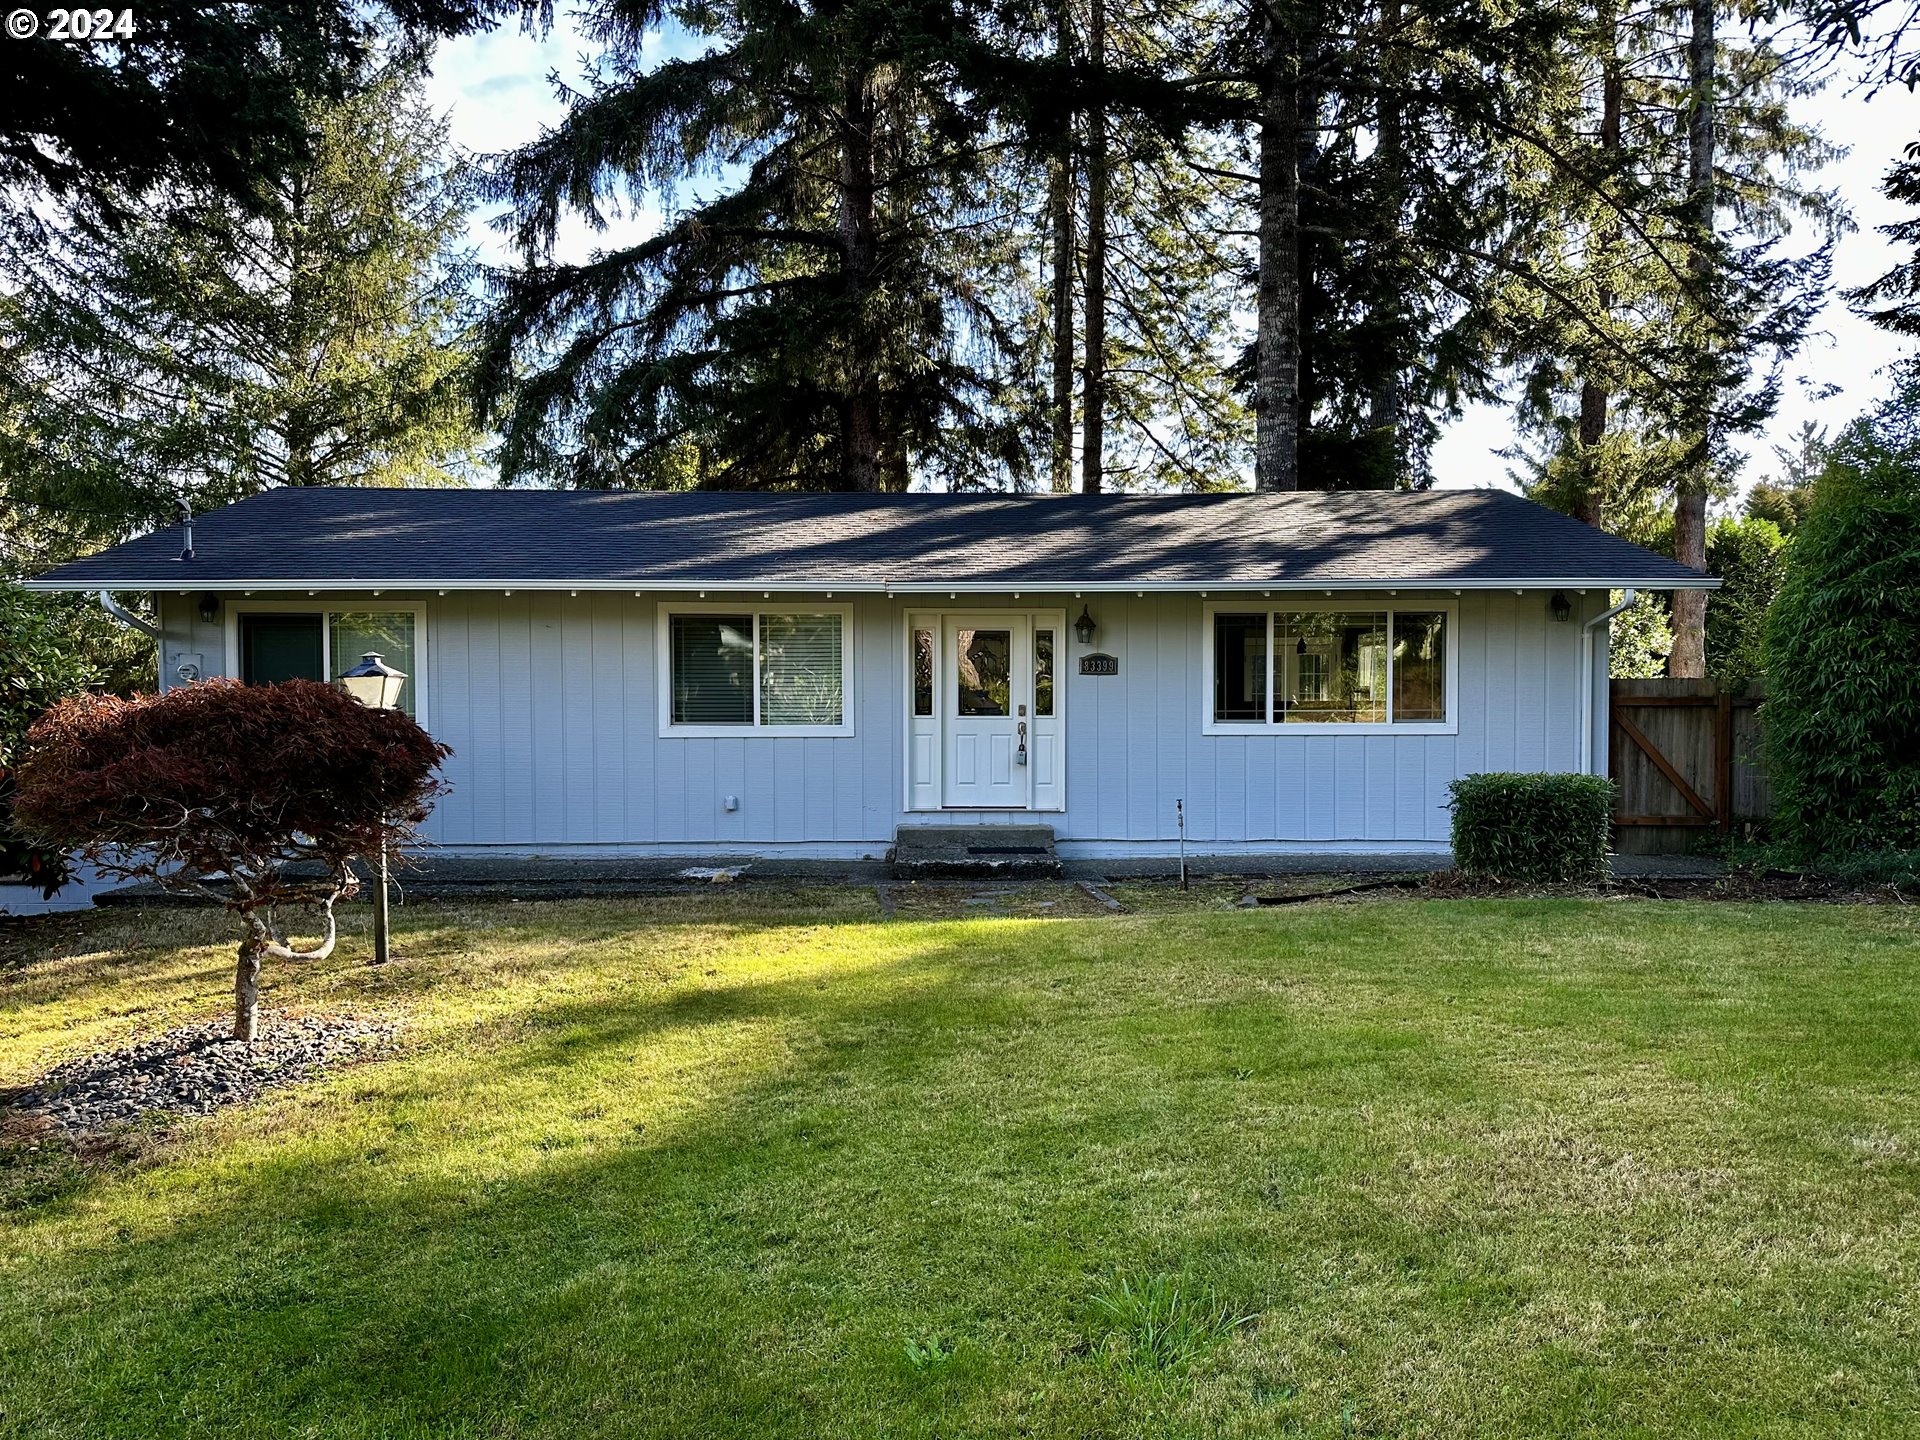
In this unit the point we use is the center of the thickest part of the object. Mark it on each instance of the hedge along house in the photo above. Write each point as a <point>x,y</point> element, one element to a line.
<point>804,675</point>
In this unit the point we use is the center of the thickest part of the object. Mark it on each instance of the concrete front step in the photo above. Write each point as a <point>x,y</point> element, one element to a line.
<point>974,852</point>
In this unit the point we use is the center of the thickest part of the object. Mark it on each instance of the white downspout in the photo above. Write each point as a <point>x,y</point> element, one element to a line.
<point>126,617</point>
<point>1588,718</point>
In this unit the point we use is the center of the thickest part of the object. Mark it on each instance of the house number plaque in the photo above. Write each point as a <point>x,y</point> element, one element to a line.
<point>1099,664</point>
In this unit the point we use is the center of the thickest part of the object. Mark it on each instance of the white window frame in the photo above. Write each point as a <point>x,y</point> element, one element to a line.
<point>1353,604</point>
<point>325,608</point>
<point>663,623</point>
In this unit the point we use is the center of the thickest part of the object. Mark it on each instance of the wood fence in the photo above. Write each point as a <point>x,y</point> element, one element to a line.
<point>1686,757</point>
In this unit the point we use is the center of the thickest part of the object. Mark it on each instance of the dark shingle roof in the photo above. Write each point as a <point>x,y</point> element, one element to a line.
<point>488,538</point>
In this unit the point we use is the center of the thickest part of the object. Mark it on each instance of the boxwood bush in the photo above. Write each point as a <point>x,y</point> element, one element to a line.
<point>1538,828</point>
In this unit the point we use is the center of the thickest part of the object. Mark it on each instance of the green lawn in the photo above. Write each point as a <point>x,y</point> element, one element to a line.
<point>782,1166</point>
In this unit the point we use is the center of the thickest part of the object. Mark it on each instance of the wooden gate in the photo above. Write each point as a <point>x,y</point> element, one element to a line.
<point>1685,755</point>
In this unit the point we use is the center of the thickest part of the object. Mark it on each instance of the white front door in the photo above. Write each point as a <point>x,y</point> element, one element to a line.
<point>987,696</point>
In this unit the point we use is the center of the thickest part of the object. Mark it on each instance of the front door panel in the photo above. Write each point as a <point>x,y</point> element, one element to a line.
<point>987,696</point>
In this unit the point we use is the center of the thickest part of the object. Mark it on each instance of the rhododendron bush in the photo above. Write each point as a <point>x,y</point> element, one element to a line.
<point>258,796</point>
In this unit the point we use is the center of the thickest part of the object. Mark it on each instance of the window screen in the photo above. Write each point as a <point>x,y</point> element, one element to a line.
<point>281,647</point>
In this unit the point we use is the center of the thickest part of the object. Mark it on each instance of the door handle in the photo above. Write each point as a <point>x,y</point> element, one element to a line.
<point>1020,756</point>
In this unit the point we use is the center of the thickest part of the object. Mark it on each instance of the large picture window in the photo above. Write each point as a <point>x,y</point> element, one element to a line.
<point>1349,666</point>
<point>755,671</point>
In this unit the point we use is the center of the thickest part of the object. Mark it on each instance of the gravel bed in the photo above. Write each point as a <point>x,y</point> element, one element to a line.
<point>195,1070</point>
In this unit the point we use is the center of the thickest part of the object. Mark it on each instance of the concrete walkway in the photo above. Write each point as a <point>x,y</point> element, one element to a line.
<point>452,877</point>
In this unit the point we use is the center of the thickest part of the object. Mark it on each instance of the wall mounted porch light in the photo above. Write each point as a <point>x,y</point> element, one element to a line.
<point>1561,607</point>
<point>1084,627</point>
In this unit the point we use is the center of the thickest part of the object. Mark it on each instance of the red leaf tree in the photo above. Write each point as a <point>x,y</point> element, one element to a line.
<point>273,789</point>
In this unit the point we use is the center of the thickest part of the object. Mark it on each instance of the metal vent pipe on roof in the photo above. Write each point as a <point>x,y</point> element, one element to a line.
<point>186,524</point>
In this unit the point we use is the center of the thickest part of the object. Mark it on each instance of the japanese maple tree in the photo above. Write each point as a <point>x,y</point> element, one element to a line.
<point>257,796</point>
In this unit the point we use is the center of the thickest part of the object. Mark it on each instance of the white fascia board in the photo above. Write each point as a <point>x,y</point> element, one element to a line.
<point>905,587</point>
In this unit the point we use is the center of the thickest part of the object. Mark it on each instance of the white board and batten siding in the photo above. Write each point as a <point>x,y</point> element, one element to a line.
<point>551,704</point>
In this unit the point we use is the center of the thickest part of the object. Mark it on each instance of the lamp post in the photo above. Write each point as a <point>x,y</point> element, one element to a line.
<point>376,685</point>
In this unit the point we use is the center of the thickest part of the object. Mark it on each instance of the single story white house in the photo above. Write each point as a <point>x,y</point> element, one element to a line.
<point>802,675</point>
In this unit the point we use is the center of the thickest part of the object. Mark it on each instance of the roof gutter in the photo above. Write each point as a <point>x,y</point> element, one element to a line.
<point>126,617</point>
<point>736,585</point>
<point>1627,599</point>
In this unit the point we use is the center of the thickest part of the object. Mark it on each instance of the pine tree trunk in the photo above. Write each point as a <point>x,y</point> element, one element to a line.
<point>1688,659</point>
<point>1060,206</point>
<point>859,241</point>
<point>1093,402</point>
<point>246,990</point>
<point>1276,457</point>
<point>1384,404</point>
<point>1590,504</point>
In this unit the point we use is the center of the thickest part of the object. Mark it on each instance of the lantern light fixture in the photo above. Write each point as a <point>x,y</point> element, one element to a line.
<point>1561,607</point>
<point>1084,627</point>
<point>374,683</point>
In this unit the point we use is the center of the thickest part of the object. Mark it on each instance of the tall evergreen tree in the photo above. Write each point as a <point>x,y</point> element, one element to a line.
<point>1062,234</point>
<point>1161,172</point>
<point>1093,406</point>
<point>211,351</point>
<point>1649,331</point>
<point>201,98</point>
<point>820,315</point>
<point>1381,225</point>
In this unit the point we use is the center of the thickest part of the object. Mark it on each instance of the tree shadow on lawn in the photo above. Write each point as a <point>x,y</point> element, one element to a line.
<point>673,1212</point>
<point>722,1205</point>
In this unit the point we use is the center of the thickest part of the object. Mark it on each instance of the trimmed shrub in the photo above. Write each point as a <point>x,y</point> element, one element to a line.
<point>1842,717</point>
<point>1538,828</point>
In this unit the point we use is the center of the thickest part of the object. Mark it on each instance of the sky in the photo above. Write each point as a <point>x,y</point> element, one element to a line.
<point>497,93</point>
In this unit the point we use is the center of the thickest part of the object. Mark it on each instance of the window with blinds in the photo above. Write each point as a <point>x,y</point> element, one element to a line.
<point>799,669</point>
<point>757,669</point>
<point>712,669</point>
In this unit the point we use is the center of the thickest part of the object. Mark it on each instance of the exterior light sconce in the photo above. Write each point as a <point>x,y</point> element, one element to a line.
<point>1084,627</point>
<point>1560,607</point>
<point>209,608</point>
